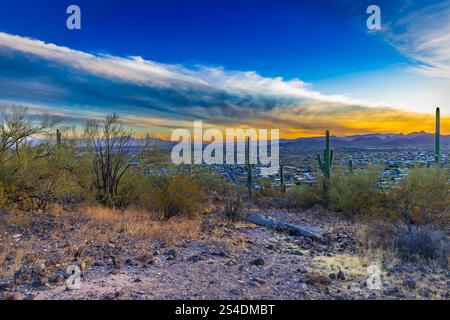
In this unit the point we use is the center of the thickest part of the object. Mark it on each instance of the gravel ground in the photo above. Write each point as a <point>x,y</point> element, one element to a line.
<point>226,261</point>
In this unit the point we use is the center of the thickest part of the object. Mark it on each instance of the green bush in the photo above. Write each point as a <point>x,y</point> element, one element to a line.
<point>38,176</point>
<point>209,182</point>
<point>305,196</point>
<point>422,197</point>
<point>356,194</point>
<point>3,197</point>
<point>175,195</point>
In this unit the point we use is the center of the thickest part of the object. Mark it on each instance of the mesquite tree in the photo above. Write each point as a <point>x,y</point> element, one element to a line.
<point>109,145</point>
<point>16,129</point>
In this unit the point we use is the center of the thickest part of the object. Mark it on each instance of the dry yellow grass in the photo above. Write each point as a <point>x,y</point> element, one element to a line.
<point>18,218</point>
<point>350,264</point>
<point>140,225</point>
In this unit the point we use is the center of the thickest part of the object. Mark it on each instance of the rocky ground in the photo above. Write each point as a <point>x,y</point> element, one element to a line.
<point>224,261</point>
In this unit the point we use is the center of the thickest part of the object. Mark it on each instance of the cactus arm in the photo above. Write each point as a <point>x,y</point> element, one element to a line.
<point>320,162</point>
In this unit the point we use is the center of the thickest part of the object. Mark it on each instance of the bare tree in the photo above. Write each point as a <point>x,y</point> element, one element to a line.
<point>109,144</point>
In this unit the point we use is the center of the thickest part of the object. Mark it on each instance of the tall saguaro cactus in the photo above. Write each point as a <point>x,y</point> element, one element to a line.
<point>350,165</point>
<point>282,181</point>
<point>437,147</point>
<point>325,167</point>
<point>249,167</point>
<point>58,138</point>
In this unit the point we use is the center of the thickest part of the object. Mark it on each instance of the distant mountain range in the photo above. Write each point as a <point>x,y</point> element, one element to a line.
<point>377,140</point>
<point>374,140</point>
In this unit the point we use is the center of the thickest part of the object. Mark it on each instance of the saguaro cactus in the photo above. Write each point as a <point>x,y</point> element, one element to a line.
<point>350,165</point>
<point>325,165</point>
<point>437,147</point>
<point>58,138</point>
<point>282,181</point>
<point>249,167</point>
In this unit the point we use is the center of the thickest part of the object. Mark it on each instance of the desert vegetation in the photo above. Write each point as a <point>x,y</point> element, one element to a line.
<point>89,200</point>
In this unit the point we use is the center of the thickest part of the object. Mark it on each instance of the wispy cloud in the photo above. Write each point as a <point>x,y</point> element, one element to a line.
<point>423,34</point>
<point>79,85</point>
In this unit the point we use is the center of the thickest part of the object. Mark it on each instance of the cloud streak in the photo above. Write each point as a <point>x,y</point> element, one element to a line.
<point>79,85</point>
<point>423,35</point>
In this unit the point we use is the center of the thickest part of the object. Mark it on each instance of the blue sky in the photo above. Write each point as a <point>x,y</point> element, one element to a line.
<point>292,39</point>
<point>291,63</point>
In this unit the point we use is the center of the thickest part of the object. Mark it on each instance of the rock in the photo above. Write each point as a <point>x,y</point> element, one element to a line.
<point>302,270</point>
<point>297,253</point>
<point>219,253</point>
<point>112,296</point>
<point>332,276</point>
<point>59,278</point>
<point>40,268</point>
<point>137,280</point>
<point>171,254</point>
<point>194,259</point>
<point>114,272</point>
<point>117,263</point>
<point>99,263</point>
<point>235,292</point>
<point>5,286</point>
<point>146,259</point>
<point>258,280</point>
<point>258,262</point>
<point>230,263</point>
<point>303,285</point>
<point>40,282</point>
<point>131,262</point>
<point>22,277</point>
<point>409,283</point>
<point>341,275</point>
<point>270,247</point>
<point>392,291</point>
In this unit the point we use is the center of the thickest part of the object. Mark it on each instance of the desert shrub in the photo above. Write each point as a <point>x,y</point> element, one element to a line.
<point>267,190</point>
<point>175,195</point>
<point>409,243</point>
<point>232,197</point>
<point>427,243</point>
<point>38,176</point>
<point>421,198</point>
<point>305,196</point>
<point>356,194</point>
<point>209,182</point>
<point>3,197</point>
